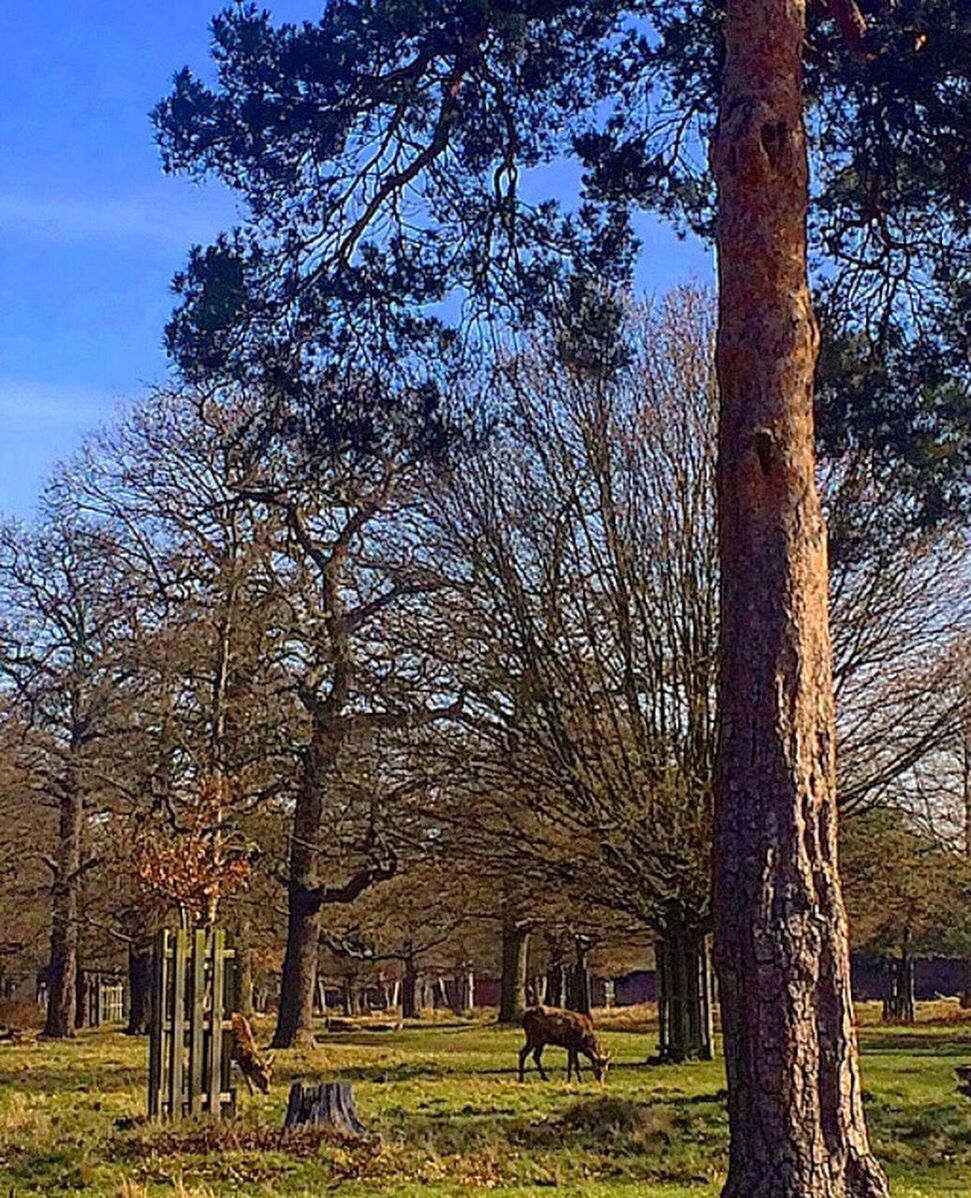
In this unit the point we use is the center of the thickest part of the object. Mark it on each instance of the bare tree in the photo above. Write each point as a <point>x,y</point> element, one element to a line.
<point>63,607</point>
<point>586,566</point>
<point>348,557</point>
<point>586,548</point>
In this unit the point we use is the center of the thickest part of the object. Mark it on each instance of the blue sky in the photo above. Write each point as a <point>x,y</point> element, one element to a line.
<point>91,231</point>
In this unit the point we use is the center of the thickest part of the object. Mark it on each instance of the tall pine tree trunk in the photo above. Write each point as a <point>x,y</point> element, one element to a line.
<point>62,970</point>
<point>795,1108</point>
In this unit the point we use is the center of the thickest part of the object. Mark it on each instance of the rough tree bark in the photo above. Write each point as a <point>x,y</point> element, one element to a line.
<point>515,949</point>
<point>795,1107</point>
<point>62,970</point>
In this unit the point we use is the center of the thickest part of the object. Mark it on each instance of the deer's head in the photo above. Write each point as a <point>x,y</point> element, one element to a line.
<point>259,1070</point>
<point>600,1062</point>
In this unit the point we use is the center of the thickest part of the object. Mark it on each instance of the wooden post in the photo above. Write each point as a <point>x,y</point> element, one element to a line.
<point>177,1039</point>
<point>157,1020</point>
<point>230,1003</point>
<point>197,1035</point>
<point>707,1001</point>
<point>216,1022</point>
<point>662,975</point>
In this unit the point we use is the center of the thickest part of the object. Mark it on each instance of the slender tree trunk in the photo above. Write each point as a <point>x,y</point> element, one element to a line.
<point>353,997</point>
<point>908,1006</point>
<point>795,1109</point>
<point>409,991</point>
<point>463,989</point>
<point>889,989</point>
<point>139,987</point>
<point>296,1011</point>
<point>554,986</point>
<point>578,987</point>
<point>62,971</point>
<point>515,949</point>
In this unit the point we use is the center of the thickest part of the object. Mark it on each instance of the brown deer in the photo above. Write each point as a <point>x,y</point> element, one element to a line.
<point>562,1029</point>
<point>255,1067</point>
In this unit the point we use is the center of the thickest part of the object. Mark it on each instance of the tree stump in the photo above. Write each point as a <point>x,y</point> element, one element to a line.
<point>330,1104</point>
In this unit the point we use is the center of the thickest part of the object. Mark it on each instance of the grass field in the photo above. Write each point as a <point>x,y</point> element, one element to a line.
<point>452,1119</point>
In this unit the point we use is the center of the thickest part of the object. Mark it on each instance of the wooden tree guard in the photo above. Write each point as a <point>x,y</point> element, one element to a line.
<point>330,1104</point>
<point>190,1035</point>
<point>900,991</point>
<point>685,1000</point>
<point>104,998</point>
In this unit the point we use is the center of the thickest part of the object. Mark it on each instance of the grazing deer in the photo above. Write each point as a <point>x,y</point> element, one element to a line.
<point>562,1029</point>
<point>255,1067</point>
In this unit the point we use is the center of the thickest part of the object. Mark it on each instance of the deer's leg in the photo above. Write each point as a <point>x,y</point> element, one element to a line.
<point>538,1058</point>
<point>523,1054</point>
<point>249,1084</point>
<point>576,1065</point>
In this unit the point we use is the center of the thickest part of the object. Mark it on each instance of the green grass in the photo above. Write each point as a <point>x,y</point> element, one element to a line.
<point>452,1120</point>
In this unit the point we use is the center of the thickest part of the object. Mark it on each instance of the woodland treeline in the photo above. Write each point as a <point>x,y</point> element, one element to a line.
<point>440,696</point>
